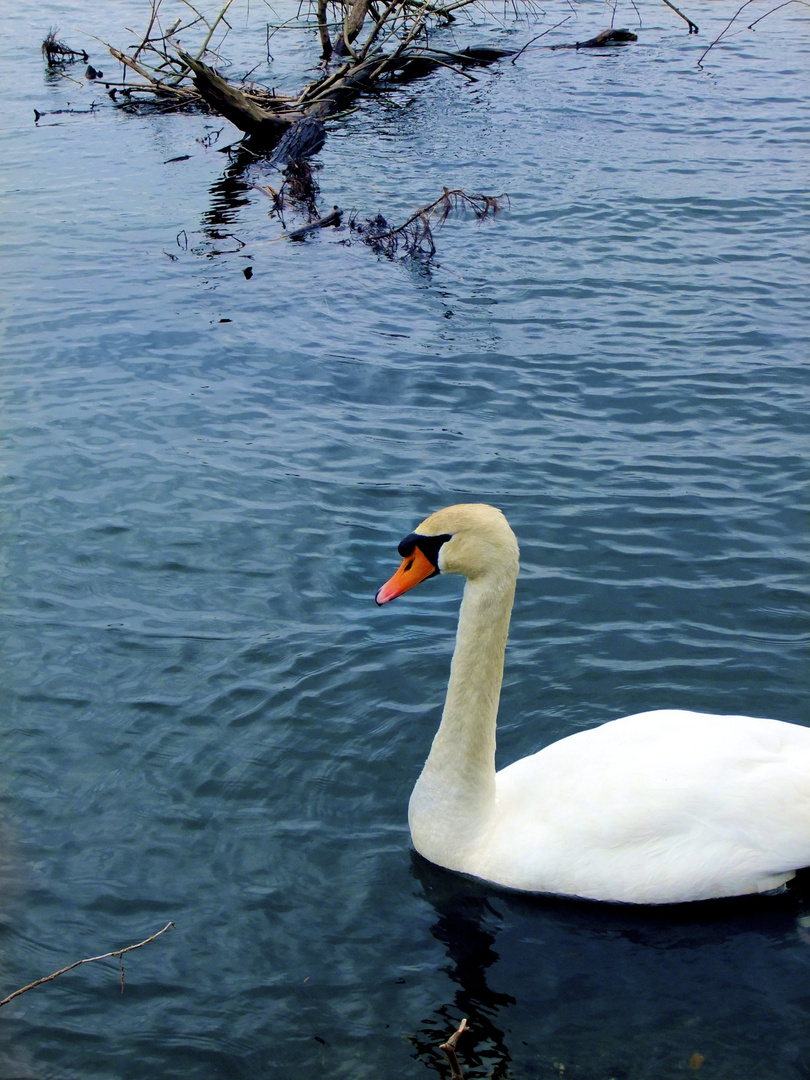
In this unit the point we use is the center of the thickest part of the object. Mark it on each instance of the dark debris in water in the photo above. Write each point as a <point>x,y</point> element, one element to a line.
<point>57,53</point>
<point>414,238</point>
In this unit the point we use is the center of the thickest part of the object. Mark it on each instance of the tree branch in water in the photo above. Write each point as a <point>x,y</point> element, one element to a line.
<point>415,236</point>
<point>87,960</point>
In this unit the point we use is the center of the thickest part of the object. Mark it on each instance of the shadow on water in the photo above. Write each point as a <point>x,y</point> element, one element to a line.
<point>665,981</point>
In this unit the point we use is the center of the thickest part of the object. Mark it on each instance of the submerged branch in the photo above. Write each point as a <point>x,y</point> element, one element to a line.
<point>330,220</point>
<point>373,40</point>
<point>415,236</point>
<point>57,53</point>
<point>601,40</point>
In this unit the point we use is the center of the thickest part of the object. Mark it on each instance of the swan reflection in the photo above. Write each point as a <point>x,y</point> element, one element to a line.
<point>612,990</point>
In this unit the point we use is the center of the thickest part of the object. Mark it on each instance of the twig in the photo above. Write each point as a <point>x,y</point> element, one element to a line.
<point>220,18</point>
<point>693,28</point>
<point>778,6</point>
<point>728,26</point>
<point>537,38</point>
<point>152,19</point>
<point>449,1049</point>
<point>158,86</point>
<point>87,960</point>
<point>372,37</point>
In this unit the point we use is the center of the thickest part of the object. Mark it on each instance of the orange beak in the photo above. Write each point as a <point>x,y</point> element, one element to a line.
<point>415,568</point>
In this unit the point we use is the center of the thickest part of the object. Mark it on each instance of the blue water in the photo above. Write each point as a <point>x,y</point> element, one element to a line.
<point>205,719</point>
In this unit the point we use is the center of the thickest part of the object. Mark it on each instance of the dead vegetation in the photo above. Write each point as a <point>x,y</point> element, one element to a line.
<point>366,46</point>
<point>57,53</point>
<point>363,44</point>
<point>415,236</point>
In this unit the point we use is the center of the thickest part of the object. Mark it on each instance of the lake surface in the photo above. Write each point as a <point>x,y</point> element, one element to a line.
<point>205,476</point>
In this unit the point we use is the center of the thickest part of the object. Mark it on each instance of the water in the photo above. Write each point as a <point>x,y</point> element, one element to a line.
<point>206,720</point>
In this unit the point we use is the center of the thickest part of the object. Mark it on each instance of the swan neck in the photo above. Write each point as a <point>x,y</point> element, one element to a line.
<point>476,673</point>
<point>454,799</point>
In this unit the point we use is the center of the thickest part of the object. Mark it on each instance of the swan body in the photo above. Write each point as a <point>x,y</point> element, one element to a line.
<point>660,807</point>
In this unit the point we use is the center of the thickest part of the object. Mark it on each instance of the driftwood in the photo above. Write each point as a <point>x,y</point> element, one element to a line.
<point>394,47</point>
<point>365,45</point>
<point>329,95</point>
<point>600,40</point>
<point>300,141</point>
<point>236,106</point>
<point>363,42</point>
<point>325,222</point>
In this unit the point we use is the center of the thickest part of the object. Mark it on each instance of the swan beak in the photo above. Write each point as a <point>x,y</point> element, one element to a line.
<point>415,568</point>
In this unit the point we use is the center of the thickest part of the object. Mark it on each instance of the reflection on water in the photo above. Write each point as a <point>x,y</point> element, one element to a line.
<point>681,970</point>
<point>231,192</point>
<point>467,927</point>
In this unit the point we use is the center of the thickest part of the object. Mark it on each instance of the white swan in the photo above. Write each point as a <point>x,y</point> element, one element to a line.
<point>661,807</point>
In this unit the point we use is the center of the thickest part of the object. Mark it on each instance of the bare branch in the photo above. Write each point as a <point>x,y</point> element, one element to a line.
<point>381,21</point>
<point>537,38</point>
<point>220,18</point>
<point>87,960</point>
<point>693,29</point>
<point>152,20</point>
<point>725,29</point>
<point>778,6</point>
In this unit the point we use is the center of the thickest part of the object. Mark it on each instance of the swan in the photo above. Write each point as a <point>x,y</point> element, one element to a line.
<point>660,807</point>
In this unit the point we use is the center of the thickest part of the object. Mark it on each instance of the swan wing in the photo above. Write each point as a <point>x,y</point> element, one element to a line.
<point>658,807</point>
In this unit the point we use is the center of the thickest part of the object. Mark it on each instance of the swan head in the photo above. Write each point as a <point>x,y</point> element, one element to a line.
<point>472,539</point>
